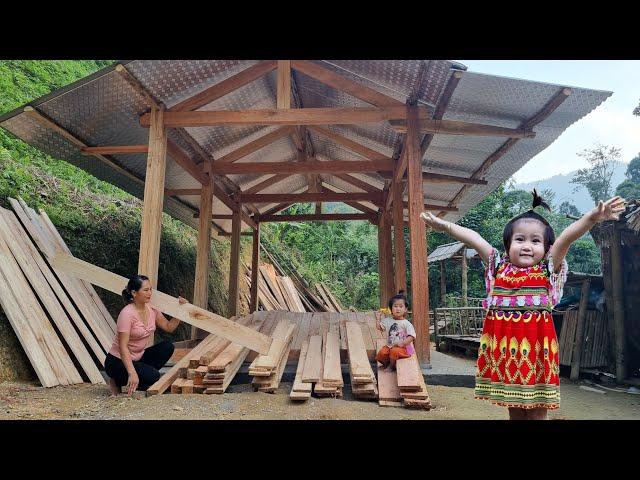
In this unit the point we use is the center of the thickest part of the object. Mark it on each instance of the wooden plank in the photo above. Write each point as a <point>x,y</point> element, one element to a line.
<point>409,374</point>
<point>333,299</point>
<point>282,335</point>
<point>190,314</point>
<point>62,296</point>
<point>332,372</point>
<point>580,330</point>
<point>226,86</point>
<point>270,279</point>
<point>45,336</point>
<point>309,166</point>
<point>302,334</point>
<point>302,389</point>
<point>203,252</point>
<point>293,294</point>
<point>46,295</point>
<point>388,390</point>
<point>358,359</point>
<point>313,363</point>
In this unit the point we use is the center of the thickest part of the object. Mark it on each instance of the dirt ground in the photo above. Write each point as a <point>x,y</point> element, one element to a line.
<point>30,401</point>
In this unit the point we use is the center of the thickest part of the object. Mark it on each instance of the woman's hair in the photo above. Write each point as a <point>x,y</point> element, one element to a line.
<point>135,284</point>
<point>549,235</point>
<point>399,296</point>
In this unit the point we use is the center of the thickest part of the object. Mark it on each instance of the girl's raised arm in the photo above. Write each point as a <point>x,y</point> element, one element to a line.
<point>465,235</point>
<point>609,210</point>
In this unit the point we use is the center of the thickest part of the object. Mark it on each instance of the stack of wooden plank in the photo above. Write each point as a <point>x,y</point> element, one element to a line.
<point>329,300</point>
<point>363,381</point>
<point>330,379</point>
<point>267,369</point>
<point>68,330</point>
<point>388,391</point>
<point>411,384</point>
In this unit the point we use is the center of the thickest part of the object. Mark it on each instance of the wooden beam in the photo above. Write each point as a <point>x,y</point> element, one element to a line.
<point>267,183</point>
<point>284,84</point>
<point>344,84</point>
<point>203,251</point>
<point>430,206</point>
<point>234,268</point>
<point>398,241</point>
<point>148,261</point>
<point>428,177</point>
<point>355,147</point>
<point>453,127</point>
<point>185,161</point>
<point>276,209</point>
<point>547,110</point>
<point>418,244</point>
<point>115,149</point>
<point>224,87</point>
<point>310,166</point>
<point>356,182</point>
<point>443,103</point>
<point>579,335</point>
<point>188,313</point>
<point>255,265</point>
<point>309,197</point>
<point>257,144</point>
<point>316,217</point>
<point>295,116</point>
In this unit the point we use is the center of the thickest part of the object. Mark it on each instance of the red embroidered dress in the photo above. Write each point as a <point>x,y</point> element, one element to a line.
<point>518,361</point>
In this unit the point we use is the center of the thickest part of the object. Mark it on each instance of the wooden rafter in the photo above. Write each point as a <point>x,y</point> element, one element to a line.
<point>452,127</point>
<point>430,206</point>
<point>294,116</point>
<point>428,177</point>
<point>185,161</point>
<point>344,84</point>
<point>267,183</point>
<point>329,187</point>
<point>256,145</point>
<point>309,197</point>
<point>276,209</point>
<point>316,217</point>
<point>310,166</point>
<point>115,149</point>
<point>173,192</point>
<point>224,87</point>
<point>356,182</point>
<point>349,144</point>
<point>544,112</point>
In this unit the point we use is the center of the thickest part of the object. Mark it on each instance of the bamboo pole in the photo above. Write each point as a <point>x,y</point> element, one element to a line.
<point>579,337</point>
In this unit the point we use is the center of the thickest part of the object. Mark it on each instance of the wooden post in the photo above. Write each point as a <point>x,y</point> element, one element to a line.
<point>579,337</point>
<point>464,277</point>
<point>443,284</point>
<point>398,238</point>
<point>387,258</point>
<point>618,304</point>
<point>382,273</point>
<point>255,265</point>
<point>203,253</point>
<point>417,238</point>
<point>234,267</point>
<point>149,256</point>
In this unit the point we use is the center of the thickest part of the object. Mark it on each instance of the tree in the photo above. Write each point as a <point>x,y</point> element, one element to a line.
<point>633,170</point>
<point>568,208</point>
<point>597,177</point>
<point>636,111</point>
<point>628,190</point>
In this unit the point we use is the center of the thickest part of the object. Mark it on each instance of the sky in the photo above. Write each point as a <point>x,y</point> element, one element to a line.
<point>611,124</point>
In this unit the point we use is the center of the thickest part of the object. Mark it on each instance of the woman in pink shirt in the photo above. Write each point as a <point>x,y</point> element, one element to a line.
<point>128,361</point>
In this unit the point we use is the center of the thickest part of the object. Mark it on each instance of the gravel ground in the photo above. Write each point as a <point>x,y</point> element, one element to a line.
<point>29,401</point>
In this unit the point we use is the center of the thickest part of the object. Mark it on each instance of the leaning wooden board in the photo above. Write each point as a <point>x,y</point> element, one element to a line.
<point>188,313</point>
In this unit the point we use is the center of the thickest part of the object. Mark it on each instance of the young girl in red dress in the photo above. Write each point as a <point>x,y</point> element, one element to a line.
<point>518,361</point>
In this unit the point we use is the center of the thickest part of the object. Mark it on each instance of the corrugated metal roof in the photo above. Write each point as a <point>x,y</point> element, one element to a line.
<point>448,250</point>
<point>103,109</point>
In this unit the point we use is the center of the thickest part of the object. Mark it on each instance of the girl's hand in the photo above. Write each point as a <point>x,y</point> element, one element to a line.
<point>434,222</point>
<point>609,210</point>
<point>133,382</point>
<point>182,301</point>
<point>380,326</point>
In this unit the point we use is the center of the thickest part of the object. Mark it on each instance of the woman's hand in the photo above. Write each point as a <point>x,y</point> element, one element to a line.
<point>438,224</point>
<point>182,301</point>
<point>133,382</point>
<point>609,210</point>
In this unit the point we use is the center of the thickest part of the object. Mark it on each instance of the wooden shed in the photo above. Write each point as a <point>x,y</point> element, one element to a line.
<point>619,244</point>
<point>238,141</point>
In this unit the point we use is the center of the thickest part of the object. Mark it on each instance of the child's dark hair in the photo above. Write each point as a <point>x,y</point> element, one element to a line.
<point>399,296</point>
<point>549,235</point>
<point>135,284</point>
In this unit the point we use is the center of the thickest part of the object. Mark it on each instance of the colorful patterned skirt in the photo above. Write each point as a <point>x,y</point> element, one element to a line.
<point>518,361</point>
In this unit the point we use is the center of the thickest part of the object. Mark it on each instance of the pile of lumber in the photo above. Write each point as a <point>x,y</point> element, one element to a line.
<point>403,387</point>
<point>363,381</point>
<point>329,300</point>
<point>211,366</point>
<point>61,323</point>
<point>267,369</point>
<point>319,368</point>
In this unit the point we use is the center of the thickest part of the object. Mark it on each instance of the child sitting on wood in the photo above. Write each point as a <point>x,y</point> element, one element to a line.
<point>399,332</point>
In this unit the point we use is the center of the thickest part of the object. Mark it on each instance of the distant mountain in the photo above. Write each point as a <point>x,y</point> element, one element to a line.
<point>563,188</point>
